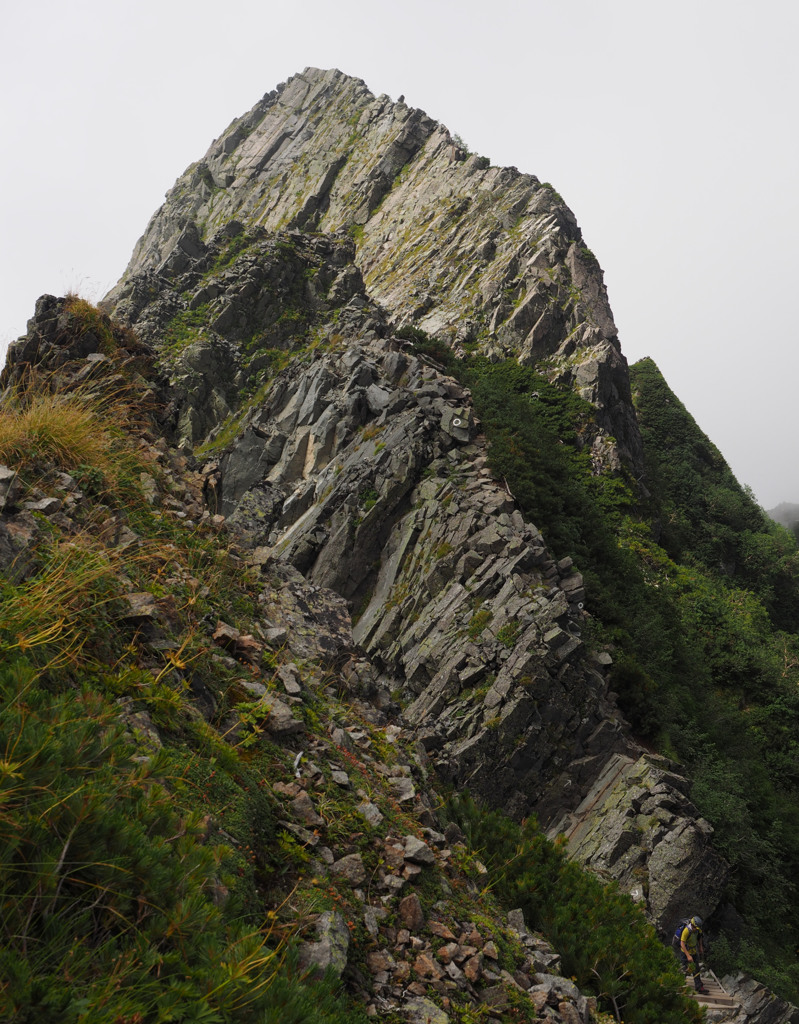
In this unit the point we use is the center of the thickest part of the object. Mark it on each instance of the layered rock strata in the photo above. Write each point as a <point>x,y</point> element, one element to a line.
<point>638,826</point>
<point>225,314</point>
<point>480,256</point>
<point>756,1003</point>
<point>356,479</point>
<point>365,471</point>
<point>345,782</point>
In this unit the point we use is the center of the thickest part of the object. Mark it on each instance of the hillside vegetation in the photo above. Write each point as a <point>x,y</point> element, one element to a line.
<point>729,706</point>
<point>695,592</point>
<point>276,726</point>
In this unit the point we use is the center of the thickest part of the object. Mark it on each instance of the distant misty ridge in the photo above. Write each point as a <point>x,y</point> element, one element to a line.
<point>786,514</point>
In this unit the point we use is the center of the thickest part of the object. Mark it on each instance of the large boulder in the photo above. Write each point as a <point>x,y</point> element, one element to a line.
<point>638,826</point>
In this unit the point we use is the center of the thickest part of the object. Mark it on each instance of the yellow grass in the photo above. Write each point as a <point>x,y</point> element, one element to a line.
<point>90,318</point>
<point>59,605</point>
<point>61,429</point>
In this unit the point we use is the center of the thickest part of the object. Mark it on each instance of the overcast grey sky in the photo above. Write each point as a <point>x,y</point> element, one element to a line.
<point>670,130</point>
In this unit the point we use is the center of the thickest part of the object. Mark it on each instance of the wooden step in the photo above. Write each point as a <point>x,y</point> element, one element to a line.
<point>714,1002</point>
<point>714,998</point>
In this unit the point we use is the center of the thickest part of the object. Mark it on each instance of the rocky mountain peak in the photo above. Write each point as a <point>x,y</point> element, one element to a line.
<point>484,258</point>
<point>281,281</point>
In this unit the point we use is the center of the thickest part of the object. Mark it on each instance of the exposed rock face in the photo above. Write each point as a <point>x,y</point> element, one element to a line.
<point>757,1004</point>
<point>315,228</point>
<point>468,252</point>
<point>281,674</point>
<point>356,480</point>
<point>71,351</point>
<point>637,825</point>
<point>226,315</point>
<point>363,469</point>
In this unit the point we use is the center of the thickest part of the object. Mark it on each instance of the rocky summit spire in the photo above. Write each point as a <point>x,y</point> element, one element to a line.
<point>479,256</point>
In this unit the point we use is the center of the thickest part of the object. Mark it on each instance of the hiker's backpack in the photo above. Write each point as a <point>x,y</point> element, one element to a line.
<point>676,938</point>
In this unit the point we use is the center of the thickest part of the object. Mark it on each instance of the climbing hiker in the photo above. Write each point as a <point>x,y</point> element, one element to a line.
<point>691,949</point>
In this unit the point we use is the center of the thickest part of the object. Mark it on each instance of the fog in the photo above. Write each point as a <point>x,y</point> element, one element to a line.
<point>669,131</point>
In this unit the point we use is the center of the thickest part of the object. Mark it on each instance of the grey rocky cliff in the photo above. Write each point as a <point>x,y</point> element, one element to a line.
<point>637,825</point>
<point>365,470</point>
<point>757,1005</point>
<point>356,480</point>
<point>224,316</point>
<point>344,781</point>
<point>474,254</point>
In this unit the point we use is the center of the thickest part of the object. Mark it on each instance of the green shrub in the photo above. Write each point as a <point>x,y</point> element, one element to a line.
<point>605,942</point>
<point>702,625</point>
<point>106,888</point>
<point>508,633</point>
<point>427,345</point>
<point>293,998</point>
<point>478,623</point>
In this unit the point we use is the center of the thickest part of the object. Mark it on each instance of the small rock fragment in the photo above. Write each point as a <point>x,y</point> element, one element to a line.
<point>411,913</point>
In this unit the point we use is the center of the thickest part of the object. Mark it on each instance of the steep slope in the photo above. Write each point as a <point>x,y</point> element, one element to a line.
<point>210,797</point>
<point>325,224</point>
<point>474,590</point>
<point>702,511</point>
<point>726,695</point>
<point>362,466</point>
<point>203,807</point>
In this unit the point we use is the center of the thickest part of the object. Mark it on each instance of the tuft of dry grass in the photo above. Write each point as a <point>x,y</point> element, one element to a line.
<point>90,319</point>
<point>85,430</point>
<point>62,429</point>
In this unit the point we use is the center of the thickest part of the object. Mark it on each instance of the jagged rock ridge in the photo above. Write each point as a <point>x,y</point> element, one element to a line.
<point>362,465</point>
<point>379,411</point>
<point>300,658</point>
<point>364,471</point>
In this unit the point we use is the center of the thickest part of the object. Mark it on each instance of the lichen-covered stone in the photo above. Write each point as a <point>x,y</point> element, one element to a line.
<point>331,949</point>
<point>619,831</point>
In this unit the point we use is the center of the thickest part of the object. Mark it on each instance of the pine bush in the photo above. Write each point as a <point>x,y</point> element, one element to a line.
<point>605,942</point>
<point>106,888</point>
